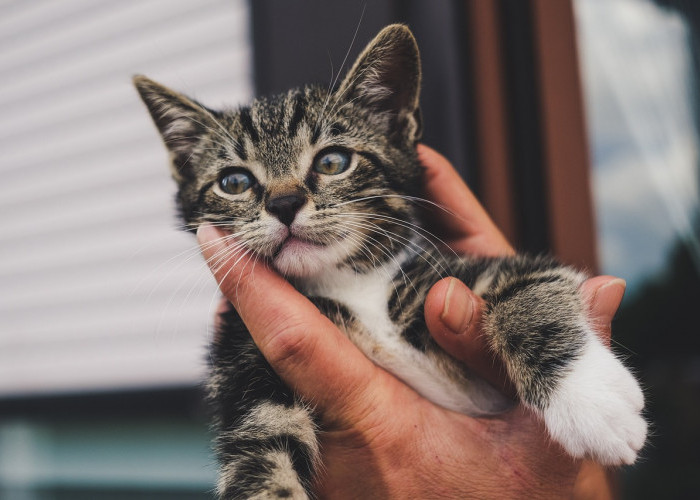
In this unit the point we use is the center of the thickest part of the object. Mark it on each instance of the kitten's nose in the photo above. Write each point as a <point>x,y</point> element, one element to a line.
<point>285,207</point>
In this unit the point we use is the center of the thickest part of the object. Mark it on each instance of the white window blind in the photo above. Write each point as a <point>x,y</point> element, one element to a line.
<point>97,288</point>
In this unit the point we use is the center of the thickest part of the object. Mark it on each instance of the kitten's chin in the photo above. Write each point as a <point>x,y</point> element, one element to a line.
<point>299,258</point>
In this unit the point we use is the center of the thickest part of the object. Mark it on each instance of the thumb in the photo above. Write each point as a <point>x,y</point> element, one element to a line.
<point>603,295</point>
<point>453,316</point>
<point>303,346</point>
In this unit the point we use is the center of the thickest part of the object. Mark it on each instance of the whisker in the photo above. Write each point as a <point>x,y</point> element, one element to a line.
<point>188,255</point>
<point>340,70</point>
<point>354,236</point>
<point>417,229</point>
<point>442,272</point>
<point>407,280</point>
<point>405,197</point>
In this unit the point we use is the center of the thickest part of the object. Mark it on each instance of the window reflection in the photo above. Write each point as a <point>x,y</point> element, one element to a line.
<point>639,64</point>
<point>637,69</point>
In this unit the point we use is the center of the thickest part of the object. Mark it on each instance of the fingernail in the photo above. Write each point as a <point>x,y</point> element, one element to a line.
<point>206,233</point>
<point>458,310</point>
<point>202,231</point>
<point>611,293</point>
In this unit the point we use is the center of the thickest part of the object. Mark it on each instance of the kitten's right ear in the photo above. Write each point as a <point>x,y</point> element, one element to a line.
<point>386,79</point>
<point>181,121</point>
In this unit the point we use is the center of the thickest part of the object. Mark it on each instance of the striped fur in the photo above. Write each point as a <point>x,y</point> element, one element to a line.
<point>353,242</point>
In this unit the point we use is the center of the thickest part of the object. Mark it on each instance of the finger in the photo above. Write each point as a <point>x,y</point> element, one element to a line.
<point>603,294</point>
<point>304,347</point>
<point>469,227</point>
<point>453,316</point>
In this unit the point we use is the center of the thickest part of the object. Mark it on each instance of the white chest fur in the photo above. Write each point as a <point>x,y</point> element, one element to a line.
<point>367,296</point>
<point>364,294</point>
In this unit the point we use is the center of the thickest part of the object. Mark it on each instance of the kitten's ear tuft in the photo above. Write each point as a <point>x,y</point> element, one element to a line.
<point>181,122</point>
<point>386,78</point>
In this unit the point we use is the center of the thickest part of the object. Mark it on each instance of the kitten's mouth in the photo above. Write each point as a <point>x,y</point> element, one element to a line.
<point>294,243</point>
<point>299,256</point>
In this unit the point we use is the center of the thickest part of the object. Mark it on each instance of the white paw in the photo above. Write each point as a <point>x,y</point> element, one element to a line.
<point>595,411</point>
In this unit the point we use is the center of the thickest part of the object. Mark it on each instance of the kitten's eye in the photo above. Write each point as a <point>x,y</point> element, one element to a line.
<point>332,163</point>
<point>236,182</point>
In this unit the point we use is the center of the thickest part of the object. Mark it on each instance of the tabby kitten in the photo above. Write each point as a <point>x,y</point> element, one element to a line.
<point>322,184</point>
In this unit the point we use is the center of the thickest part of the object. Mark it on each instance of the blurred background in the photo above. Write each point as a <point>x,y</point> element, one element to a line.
<point>574,121</point>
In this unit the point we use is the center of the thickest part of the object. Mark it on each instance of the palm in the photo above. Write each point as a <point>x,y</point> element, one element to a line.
<point>406,447</point>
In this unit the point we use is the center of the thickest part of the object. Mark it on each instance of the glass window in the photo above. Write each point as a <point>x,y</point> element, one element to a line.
<point>637,66</point>
<point>639,63</point>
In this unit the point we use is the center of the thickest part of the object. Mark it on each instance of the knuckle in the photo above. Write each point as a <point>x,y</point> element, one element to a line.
<point>289,346</point>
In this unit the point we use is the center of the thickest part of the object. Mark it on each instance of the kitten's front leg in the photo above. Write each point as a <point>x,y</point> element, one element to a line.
<point>266,437</point>
<point>595,409</point>
<point>535,321</point>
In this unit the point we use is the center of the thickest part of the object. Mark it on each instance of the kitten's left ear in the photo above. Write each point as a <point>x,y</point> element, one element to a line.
<point>386,78</point>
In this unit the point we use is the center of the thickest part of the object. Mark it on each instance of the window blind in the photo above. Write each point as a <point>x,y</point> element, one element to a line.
<point>98,290</point>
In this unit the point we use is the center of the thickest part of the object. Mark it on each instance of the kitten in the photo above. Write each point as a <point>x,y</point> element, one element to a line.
<point>323,184</point>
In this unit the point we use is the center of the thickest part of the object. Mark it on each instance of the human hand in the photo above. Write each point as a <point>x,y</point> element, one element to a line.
<point>468,229</point>
<point>453,312</point>
<point>381,439</point>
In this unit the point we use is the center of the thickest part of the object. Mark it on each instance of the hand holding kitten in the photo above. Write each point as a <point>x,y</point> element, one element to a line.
<point>379,436</point>
<point>475,233</point>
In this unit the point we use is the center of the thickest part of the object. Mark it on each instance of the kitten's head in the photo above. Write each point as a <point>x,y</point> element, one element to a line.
<point>311,179</point>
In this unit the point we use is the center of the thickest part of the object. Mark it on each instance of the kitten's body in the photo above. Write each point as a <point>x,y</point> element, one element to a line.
<point>323,186</point>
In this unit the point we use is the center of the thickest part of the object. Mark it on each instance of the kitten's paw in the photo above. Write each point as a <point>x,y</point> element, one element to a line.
<point>595,411</point>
